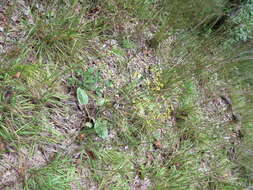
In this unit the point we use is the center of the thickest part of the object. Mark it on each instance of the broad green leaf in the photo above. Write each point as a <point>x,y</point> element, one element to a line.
<point>101,101</point>
<point>109,83</point>
<point>128,44</point>
<point>101,128</point>
<point>88,124</point>
<point>82,97</point>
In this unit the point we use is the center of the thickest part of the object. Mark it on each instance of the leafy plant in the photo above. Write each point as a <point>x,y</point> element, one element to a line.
<point>82,97</point>
<point>128,44</point>
<point>89,80</point>
<point>101,128</point>
<point>92,82</point>
<point>243,29</point>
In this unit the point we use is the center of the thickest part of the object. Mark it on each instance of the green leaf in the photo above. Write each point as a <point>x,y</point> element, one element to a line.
<point>82,97</point>
<point>118,51</point>
<point>109,83</point>
<point>88,124</point>
<point>91,70</point>
<point>101,101</point>
<point>128,44</point>
<point>101,128</point>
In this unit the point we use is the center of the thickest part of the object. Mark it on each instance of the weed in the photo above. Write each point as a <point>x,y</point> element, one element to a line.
<point>90,80</point>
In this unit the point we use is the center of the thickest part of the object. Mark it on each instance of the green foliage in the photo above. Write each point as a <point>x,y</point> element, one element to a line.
<point>180,17</point>
<point>118,52</point>
<point>243,22</point>
<point>59,174</point>
<point>128,44</point>
<point>60,32</point>
<point>90,80</point>
<point>82,96</point>
<point>101,128</point>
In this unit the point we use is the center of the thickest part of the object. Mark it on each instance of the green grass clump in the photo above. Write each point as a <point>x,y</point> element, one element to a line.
<point>60,33</point>
<point>56,34</point>
<point>24,100</point>
<point>59,174</point>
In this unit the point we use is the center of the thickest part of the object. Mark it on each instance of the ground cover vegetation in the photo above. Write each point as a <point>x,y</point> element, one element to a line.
<point>126,94</point>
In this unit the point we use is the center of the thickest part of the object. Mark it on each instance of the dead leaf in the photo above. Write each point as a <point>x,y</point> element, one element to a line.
<point>178,165</point>
<point>2,147</point>
<point>22,169</point>
<point>93,12</point>
<point>91,154</point>
<point>149,156</point>
<point>146,52</point>
<point>78,161</point>
<point>81,137</point>
<point>158,145</point>
<point>17,75</point>
<point>8,94</point>
<point>3,19</point>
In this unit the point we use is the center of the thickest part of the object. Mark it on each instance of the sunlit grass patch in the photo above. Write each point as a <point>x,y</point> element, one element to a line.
<point>60,33</point>
<point>28,92</point>
<point>59,174</point>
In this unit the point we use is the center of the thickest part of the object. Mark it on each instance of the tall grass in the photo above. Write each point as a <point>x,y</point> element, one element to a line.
<point>201,51</point>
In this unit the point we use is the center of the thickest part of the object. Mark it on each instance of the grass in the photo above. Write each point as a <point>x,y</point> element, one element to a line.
<point>164,87</point>
<point>59,174</point>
